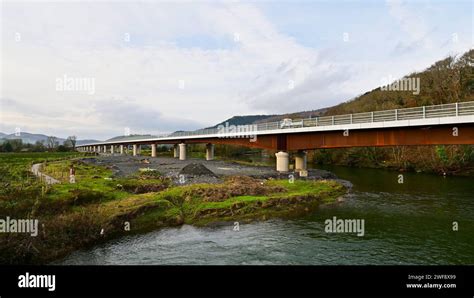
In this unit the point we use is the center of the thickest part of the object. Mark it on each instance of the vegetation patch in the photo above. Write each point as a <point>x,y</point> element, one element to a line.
<point>99,206</point>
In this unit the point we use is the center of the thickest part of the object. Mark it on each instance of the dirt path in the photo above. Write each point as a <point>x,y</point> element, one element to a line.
<point>35,169</point>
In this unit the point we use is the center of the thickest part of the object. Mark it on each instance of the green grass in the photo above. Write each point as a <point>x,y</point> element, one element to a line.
<point>229,202</point>
<point>75,213</point>
<point>190,204</point>
<point>90,180</point>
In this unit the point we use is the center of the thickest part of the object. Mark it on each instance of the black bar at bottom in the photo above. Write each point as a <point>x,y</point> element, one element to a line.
<point>243,280</point>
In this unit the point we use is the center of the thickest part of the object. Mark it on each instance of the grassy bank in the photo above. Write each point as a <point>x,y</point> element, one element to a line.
<point>100,207</point>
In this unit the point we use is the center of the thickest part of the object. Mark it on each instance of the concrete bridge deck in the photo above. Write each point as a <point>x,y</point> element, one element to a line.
<point>428,125</point>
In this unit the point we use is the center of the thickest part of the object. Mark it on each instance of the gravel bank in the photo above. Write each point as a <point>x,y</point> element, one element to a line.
<point>170,167</point>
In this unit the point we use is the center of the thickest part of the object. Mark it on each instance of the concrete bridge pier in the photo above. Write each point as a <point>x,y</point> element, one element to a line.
<point>282,161</point>
<point>134,149</point>
<point>121,149</point>
<point>175,151</point>
<point>105,149</point>
<point>112,149</point>
<point>182,151</point>
<point>153,150</point>
<point>209,151</point>
<point>300,160</point>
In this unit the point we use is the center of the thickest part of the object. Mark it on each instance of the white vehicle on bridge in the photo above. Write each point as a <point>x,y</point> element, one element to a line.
<point>289,123</point>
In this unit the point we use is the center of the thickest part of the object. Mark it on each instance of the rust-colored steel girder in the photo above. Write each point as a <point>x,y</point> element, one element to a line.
<point>406,136</point>
<point>402,136</point>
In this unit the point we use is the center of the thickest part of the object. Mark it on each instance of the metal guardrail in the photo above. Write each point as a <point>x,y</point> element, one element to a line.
<point>424,112</point>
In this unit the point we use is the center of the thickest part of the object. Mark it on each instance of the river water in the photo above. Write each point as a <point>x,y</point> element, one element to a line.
<point>405,223</point>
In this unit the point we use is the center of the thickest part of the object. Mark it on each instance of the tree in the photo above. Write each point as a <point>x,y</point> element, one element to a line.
<point>7,147</point>
<point>63,148</point>
<point>16,144</point>
<point>39,146</point>
<point>70,142</point>
<point>52,143</point>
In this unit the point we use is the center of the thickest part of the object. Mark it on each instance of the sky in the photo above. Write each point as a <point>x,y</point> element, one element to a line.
<point>98,69</point>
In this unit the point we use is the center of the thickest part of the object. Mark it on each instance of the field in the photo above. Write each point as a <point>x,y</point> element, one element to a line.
<point>100,206</point>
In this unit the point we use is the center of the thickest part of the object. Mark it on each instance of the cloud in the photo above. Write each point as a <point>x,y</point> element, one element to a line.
<point>140,119</point>
<point>413,25</point>
<point>162,66</point>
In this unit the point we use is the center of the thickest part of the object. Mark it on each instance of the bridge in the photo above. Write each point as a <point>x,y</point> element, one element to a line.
<point>446,124</point>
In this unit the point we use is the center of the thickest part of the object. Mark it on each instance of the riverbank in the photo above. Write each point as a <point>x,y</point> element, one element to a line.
<point>408,223</point>
<point>117,196</point>
<point>449,160</point>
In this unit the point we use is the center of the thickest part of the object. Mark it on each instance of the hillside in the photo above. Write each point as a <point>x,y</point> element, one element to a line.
<point>129,138</point>
<point>297,115</point>
<point>447,81</point>
<point>254,119</point>
<point>242,120</point>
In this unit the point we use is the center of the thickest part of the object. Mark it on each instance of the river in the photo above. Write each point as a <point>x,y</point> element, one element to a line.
<point>405,223</point>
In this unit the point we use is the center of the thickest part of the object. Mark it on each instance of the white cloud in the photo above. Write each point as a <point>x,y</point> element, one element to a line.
<point>137,84</point>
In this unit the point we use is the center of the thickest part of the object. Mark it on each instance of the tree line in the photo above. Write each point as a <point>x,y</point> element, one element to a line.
<point>51,144</point>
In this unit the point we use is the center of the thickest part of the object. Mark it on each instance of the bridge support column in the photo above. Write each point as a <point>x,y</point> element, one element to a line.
<point>134,149</point>
<point>182,151</point>
<point>300,160</point>
<point>209,151</point>
<point>112,149</point>
<point>153,150</point>
<point>175,151</point>
<point>282,161</point>
<point>105,149</point>
<point>121,149</point>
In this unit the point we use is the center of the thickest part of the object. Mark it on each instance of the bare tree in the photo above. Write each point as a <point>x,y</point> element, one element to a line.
<point>52,142</point>
<point>71,142</point>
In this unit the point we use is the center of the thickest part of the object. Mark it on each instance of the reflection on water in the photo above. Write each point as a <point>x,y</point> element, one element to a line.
<point>409,223</point>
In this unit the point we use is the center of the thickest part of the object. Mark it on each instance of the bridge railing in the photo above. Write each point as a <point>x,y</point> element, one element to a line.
<point>424,112</point>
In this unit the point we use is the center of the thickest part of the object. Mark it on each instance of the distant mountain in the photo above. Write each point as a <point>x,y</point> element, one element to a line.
<point>242,120</point>
<point>130,137</point>
<point>254,119</point>
<point>296,115</point>
<point>82,142</point>
<point>30,138</point>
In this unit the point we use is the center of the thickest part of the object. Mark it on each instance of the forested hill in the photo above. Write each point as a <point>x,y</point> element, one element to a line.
<point>242,120</point>
<point>446,81</point>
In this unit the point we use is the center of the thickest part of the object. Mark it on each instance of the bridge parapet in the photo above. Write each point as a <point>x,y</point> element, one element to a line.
<point>462,112</point>
<point>424,112</point>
